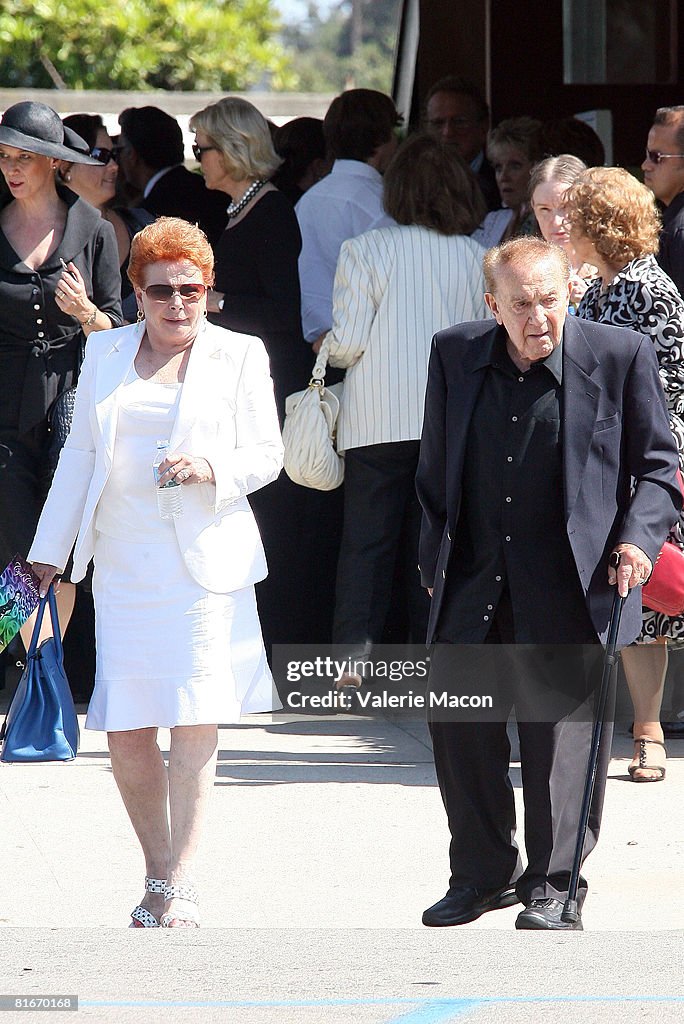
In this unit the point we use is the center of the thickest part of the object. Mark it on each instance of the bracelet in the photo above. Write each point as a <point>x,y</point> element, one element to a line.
<point>91,319</point>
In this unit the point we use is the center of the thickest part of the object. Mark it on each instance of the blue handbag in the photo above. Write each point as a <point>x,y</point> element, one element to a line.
<point>41,724</point>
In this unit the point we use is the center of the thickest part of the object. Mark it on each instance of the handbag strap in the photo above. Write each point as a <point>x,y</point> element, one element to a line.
<point>318,372</point>
<point>51,601</point>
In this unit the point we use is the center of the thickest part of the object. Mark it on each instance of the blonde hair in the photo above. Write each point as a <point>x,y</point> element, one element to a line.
<point>242,136</point>
<point>563,169</point>
<point>616,213</point>
<point>521,132</point>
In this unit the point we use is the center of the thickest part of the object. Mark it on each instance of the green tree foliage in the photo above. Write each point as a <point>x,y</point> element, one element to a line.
<point>327,58</point>
<point>222,45</point>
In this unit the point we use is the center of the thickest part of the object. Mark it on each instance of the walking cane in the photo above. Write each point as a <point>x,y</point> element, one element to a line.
<point>570,912</point>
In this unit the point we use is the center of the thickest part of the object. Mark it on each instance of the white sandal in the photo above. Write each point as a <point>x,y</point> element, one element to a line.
<point>182,918</point>
<point>143,918</point>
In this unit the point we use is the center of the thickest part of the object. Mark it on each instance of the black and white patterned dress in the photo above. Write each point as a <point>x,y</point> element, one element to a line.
<point>643,298</point>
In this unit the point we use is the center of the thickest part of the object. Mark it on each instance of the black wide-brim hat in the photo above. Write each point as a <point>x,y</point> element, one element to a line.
<point>37,128</point>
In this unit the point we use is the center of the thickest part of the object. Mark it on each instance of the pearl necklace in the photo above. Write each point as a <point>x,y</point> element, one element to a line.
<point>235,208</point>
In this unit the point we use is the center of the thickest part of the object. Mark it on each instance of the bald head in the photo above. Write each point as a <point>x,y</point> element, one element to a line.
<point>524,254</point>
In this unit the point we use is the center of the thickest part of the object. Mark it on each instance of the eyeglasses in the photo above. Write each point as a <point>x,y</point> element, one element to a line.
<point>104,155</point>
<point>199,151</point>
<point>655,156</point>
<point>165,292</point>
<point>459,124</point>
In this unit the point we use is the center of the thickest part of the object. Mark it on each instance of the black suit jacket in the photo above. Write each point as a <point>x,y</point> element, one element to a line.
<point>615,430</point>
<point>180,193</point>
<point>671,253</point>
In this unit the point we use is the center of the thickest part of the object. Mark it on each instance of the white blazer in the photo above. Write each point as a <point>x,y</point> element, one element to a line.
<point>226,414</point>
<point>396,287</point>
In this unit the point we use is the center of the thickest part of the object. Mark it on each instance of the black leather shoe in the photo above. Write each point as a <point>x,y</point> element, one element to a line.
<point>545,915</point>
<point>467,904</point>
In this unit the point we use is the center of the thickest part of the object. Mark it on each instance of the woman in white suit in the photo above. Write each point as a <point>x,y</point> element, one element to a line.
<point>178,637</point>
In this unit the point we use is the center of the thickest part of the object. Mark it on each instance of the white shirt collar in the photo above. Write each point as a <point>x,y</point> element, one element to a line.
<point>155,178</point>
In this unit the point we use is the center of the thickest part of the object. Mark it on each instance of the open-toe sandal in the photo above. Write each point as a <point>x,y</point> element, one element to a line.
<point>183,917</point>
<point>643,762</point>
<point>142,917</point>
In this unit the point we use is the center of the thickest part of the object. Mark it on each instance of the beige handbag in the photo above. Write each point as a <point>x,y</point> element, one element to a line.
<point>311,458</point>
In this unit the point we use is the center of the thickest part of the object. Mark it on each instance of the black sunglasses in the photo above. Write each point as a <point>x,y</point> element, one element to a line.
<point>104,155</point>
<point>165,292</point>
<point>199,151</point>
<point>655,156</point>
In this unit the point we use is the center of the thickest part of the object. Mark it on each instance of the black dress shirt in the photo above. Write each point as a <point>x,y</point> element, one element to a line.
<point>511,532</point>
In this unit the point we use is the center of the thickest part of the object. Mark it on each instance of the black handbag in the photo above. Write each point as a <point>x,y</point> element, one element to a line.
<point>60,415</point>
<point>41,724</point>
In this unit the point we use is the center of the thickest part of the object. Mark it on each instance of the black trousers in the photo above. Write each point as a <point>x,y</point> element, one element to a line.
<point>381,526</point>
<point>472,760</point>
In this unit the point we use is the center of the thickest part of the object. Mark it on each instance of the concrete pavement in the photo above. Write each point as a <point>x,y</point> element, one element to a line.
<point>326,840</point>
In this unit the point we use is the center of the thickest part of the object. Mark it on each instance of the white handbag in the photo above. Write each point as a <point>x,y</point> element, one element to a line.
<point>311,458</point>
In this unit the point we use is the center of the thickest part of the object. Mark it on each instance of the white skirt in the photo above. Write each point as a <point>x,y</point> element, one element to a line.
<point>168,652</point>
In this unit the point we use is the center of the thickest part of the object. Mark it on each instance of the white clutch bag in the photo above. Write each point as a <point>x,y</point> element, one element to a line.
<point>311,458</point>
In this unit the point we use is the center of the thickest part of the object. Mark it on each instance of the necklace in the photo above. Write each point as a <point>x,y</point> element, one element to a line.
<point>235,208</point>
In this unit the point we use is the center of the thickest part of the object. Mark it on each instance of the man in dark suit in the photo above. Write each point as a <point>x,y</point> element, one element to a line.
<point>151,156</point>
<point>456,111</point>
<point>664,174</point>
<point>546,447</point>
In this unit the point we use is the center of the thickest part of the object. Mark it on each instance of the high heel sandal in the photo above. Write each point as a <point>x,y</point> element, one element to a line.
<point>142,917</point>
<point>643,763</point>
<point>182,918</point>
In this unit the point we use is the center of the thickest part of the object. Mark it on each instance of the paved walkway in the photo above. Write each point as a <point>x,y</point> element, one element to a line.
<point>326,841</point>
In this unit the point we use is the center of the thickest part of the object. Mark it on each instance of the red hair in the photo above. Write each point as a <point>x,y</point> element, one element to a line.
<point>170,240</point>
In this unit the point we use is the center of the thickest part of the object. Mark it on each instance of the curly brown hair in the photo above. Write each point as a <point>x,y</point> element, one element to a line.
<point>616,213</point>
<point>170,239</point>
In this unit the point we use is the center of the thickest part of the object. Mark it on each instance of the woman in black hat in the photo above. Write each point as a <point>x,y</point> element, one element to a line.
<point>59,281</point>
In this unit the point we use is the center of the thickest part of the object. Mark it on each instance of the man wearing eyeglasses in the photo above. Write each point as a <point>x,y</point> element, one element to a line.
<point>456,111</point>
<point>664,174</point>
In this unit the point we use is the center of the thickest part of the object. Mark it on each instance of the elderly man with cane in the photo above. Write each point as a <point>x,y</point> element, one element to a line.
<point>546,451</point>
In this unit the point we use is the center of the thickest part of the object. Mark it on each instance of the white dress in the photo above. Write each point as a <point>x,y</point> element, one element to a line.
<point>168,652</point>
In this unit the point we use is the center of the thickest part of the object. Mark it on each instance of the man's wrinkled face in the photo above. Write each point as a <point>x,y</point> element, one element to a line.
<point>530,302</point>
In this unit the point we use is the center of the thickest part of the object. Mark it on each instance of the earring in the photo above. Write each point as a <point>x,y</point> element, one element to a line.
<point>140,317</point>
<point>66,176</point>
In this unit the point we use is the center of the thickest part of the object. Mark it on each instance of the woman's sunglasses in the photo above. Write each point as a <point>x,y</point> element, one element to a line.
<point>104,155</point>
<point>199,151</point>
<point>165,292</point>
